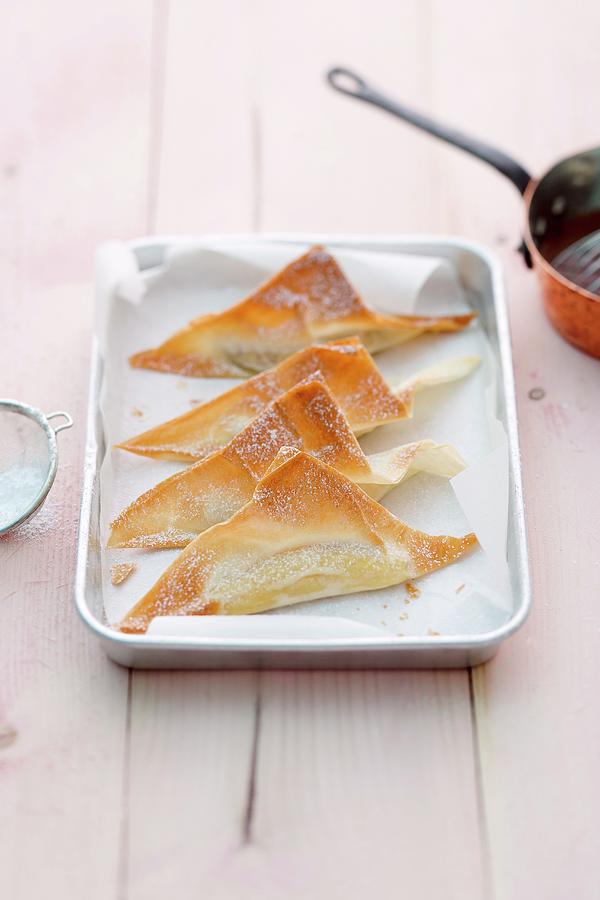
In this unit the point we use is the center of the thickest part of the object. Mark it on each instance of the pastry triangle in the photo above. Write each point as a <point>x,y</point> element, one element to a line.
<point>347,369</point>
<point>309,300</point>
<point>307,532</point>
<point>307,418</point>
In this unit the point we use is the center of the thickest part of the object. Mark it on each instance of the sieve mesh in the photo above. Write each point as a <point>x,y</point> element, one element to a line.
<point>25,461</point>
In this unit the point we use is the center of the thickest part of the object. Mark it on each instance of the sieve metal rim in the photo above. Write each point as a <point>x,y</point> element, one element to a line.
<point>43,421</point>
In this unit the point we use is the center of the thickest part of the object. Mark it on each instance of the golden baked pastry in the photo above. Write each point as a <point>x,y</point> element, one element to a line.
<point>306,417</point>
<point>347,369</point>
<point>309,300</point>
<point>307,532</point>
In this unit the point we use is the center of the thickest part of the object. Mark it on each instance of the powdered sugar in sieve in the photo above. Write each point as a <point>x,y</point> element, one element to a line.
<point>28,460</point>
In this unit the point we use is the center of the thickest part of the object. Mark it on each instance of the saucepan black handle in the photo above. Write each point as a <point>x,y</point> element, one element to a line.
<point>348,82</point>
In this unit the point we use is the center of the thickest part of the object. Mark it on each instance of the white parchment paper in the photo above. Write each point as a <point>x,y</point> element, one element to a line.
<point>139,310</point>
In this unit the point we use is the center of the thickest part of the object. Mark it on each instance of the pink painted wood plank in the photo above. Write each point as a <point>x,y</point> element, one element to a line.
<point>537,716</point>
<point>303,784</point>
<point>188,780</point>
<point>328,162</point>
<point>191,739</point>
<point>364,784</point>
<point>314,784</point>
<point>206,153</point>
<point>74,85</point>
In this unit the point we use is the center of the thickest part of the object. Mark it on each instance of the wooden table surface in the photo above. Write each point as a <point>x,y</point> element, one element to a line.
<point>130,117</point>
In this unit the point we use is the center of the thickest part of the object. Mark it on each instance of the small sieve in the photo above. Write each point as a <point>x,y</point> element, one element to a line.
<point>28,460</point>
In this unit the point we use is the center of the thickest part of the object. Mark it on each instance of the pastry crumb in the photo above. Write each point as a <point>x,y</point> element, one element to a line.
<point>403,615</point>
<point>383,622</point>
<point>138,413</point>
<point>120,572</point>
<point>194,402</point>
<point>386,605</point>
<point>433,633</point>
<point>412,590</point>
<point>181,384</point>
<point>460,588</point>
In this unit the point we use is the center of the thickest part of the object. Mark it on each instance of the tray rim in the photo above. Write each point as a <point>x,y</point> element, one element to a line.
<point>476,642</point>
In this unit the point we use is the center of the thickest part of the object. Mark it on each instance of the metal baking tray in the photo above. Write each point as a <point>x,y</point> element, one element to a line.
<point>482,279</point>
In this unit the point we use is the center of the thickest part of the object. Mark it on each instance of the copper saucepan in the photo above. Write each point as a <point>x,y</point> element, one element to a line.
<point>562,226</point>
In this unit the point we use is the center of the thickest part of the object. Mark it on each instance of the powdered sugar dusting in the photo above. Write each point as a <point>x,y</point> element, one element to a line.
<point>315,287</point>
<point>304,492</point>
<point>257,445</point>
<point>20,486</point>
<point>321,536</point>
<point>346,368</point>
<point>309,299</point>
<point>305,417</point>
<point>120,572</point>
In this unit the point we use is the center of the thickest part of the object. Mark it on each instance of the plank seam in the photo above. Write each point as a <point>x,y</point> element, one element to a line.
<point>247,826</point>
<point>123,865</point>
<point>160,24</point>
<point>482,817</point>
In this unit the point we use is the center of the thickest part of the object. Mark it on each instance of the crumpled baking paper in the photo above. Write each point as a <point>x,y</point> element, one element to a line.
<point>136,310</point>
